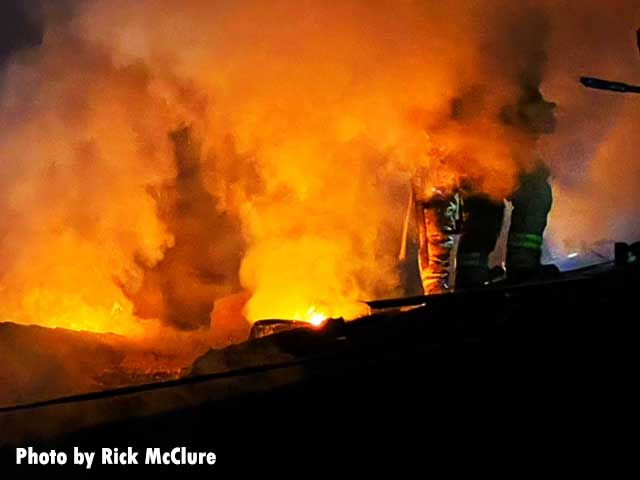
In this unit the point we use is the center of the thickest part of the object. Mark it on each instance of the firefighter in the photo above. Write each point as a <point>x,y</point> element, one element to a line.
<point>439,211</point>
<point>437,215</point>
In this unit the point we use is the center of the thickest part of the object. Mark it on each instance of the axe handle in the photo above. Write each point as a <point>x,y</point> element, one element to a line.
<point>405,228</point>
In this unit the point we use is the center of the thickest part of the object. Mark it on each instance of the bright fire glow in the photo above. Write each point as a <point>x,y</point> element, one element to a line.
<point>309,131</point>
<point>315,318</point>
<point>72,312</point>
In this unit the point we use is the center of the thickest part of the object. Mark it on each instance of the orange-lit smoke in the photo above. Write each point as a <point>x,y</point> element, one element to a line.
<point>307,120</point>
<point>595,153</point>
<point>320,100</point>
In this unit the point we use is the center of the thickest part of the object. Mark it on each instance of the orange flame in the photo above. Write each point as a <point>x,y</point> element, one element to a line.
<point>312,118</point>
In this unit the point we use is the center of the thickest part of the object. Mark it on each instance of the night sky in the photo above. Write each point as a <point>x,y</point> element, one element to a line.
<point>20,25</point>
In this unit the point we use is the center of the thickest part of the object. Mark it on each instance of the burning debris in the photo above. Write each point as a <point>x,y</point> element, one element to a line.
<point>39,363</point>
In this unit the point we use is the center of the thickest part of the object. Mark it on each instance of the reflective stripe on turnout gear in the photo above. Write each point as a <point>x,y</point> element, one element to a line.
<point>525,240</point>
<point>472,259</point>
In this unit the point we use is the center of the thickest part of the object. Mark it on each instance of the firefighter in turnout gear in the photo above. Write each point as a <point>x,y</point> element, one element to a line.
<point>444,212</point>
<point>437,217</point>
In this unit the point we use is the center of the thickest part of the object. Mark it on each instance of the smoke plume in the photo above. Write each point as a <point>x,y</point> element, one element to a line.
<point>158,156</point>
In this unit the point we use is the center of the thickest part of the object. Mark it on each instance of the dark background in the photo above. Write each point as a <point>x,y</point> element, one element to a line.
<point>21,25</point>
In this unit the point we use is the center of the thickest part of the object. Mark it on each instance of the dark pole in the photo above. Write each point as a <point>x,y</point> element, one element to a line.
<point>619,87</point>
<point>601,84</point>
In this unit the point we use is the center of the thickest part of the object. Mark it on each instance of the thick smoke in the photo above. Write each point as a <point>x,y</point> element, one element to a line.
<point>157,156</point>
<point>594,155</point>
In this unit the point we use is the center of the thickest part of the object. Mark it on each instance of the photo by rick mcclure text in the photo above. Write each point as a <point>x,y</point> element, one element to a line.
<point>114,456</point>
